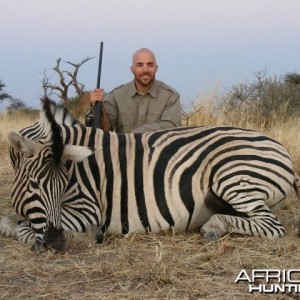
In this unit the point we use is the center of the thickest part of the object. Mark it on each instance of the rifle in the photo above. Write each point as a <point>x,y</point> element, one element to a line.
<point>98,105</point>
<point>96,120</point>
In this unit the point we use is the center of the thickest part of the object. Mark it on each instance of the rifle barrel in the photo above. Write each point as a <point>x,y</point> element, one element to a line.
<point>98,105</point>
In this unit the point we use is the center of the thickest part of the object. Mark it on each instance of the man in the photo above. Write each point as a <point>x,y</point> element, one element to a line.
<point>144,104</point>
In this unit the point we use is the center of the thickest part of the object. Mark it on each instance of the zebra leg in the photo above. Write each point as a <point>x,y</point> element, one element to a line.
<point>16,226</point>
<point>263,224</point>
<point>25,233</point>
<point>92,233</point>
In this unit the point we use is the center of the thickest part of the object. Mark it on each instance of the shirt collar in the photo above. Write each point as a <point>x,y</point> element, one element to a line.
<point>152,92</point>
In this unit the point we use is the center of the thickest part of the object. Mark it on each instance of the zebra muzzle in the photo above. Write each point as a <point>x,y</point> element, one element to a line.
<point>54,238</point>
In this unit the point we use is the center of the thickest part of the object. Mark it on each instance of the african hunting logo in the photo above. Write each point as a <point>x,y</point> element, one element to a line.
<point>271,281</point>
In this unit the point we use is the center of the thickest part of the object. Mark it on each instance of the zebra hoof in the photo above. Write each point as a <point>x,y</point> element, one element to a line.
<point>211,236</point>
<point>9,225</point>
<point>97,233</point>
<point>213,229</point>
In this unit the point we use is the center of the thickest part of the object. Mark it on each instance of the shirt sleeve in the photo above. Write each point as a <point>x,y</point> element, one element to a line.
<point>111,109</point>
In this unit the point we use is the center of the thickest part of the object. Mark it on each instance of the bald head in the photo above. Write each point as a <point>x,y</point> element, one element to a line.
<point>143,52</point>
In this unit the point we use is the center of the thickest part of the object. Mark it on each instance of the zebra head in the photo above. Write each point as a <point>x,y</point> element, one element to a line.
<point>41,178</point>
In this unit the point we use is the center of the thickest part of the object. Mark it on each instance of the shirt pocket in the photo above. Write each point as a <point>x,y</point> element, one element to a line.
<point>125,123</point>
<point>152,117</point>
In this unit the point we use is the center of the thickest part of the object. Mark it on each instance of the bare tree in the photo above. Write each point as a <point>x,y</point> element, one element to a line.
<point>66,79</point>
<point>187,116</point>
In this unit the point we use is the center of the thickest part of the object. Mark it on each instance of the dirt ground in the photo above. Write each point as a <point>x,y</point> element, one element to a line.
<point>168,266</point>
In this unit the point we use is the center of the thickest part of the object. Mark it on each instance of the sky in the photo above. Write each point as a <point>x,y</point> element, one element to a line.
<point>200,45</point>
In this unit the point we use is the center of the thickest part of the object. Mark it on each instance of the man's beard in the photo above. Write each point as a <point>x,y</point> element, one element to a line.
<point>146,82</point>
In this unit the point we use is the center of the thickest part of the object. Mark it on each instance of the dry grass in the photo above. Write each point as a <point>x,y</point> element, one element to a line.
<point>17,121</point>
<point>169,266</point>
<point>143,267</point>
<point>285,129</point>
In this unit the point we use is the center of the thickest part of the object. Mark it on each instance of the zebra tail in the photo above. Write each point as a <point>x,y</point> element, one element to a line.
<point>297,190</point>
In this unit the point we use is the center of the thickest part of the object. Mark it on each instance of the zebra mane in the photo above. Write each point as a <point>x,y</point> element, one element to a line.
<point>60,113</point>
<point>51,117</point>
<point>52,129</point>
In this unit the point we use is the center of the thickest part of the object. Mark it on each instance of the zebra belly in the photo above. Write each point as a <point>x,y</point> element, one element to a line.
<point>157,221</point>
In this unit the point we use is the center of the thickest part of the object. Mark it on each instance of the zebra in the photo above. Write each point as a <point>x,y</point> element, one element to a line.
<point>15,225</point>
<point>216,180</point>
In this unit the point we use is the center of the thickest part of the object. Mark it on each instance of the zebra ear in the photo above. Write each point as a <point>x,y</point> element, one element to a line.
<point>76,153</point>
<point>21,143</point>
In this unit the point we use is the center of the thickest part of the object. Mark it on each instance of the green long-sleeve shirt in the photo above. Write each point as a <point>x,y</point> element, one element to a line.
<point>129,111</point>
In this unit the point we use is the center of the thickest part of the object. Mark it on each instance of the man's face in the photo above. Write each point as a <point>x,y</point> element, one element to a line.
<point>144,68</point>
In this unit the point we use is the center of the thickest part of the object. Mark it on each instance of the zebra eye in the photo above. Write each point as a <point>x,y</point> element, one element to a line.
<point>34,184</point>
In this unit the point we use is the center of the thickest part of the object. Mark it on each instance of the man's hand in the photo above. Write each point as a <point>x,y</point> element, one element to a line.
<point>97,95</point>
